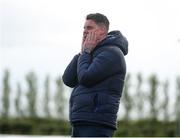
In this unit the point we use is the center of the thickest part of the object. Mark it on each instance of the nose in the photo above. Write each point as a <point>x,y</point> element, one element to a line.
<point>85,31</point>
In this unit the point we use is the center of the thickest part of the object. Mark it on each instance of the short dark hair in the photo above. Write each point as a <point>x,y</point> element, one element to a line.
<point>99,19</point>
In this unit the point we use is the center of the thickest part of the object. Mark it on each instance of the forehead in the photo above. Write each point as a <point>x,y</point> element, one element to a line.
<point>90,23</point>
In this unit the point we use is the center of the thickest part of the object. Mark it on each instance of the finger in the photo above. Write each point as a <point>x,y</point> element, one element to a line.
<point>92,37</point>
<point>89,36</point>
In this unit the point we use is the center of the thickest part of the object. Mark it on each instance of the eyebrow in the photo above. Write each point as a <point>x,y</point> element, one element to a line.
<point>89,27</point>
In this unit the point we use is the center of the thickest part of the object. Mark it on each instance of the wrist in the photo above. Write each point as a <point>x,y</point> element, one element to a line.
<point>87,50</point>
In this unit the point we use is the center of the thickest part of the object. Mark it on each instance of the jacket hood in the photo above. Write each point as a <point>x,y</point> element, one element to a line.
<point>115,38</point>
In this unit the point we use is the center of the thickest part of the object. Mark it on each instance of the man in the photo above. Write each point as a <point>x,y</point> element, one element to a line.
<point>97,75</point>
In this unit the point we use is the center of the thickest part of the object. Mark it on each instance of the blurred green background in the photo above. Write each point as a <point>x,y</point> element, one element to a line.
<point>146,107</point>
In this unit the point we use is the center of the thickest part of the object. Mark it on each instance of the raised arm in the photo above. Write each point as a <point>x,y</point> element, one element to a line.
<point>105,64</point>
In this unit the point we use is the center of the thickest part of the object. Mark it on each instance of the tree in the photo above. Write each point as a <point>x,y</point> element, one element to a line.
<point>139,96</point>
<point>166,100</point>
<point>177,105</point>
<point>31,94</point>
<point>59,98</point>
<point>5,97</point>
<point>46,97</point>
<point>127,100</point>
<point>18,101</point>
<point>153,82</point>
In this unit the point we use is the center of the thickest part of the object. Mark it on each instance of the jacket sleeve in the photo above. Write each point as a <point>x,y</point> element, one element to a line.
<point>104,65</point>
<point>70,74</point>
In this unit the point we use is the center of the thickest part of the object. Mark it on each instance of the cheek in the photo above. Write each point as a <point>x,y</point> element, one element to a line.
<point>99,32</point>
<point>98,35</point>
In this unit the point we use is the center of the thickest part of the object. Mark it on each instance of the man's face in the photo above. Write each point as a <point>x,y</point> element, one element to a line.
<point>91,26</point>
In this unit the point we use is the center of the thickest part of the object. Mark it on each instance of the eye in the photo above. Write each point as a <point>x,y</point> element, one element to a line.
<point>89,27</point>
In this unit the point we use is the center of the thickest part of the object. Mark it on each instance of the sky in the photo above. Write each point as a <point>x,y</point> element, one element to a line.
<point>44,35</point>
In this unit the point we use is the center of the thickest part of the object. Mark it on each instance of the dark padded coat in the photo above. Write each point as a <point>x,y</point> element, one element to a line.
<point>97,80</point>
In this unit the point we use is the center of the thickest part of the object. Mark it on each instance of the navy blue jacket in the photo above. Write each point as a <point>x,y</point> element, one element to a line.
<point>98,80</point>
